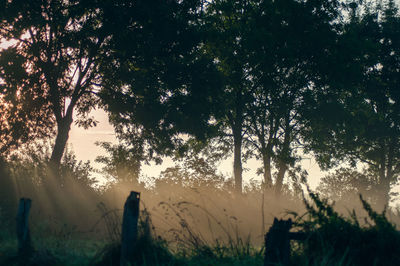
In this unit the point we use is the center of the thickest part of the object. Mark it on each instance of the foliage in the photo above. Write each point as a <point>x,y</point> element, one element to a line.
<point>52,66</point>
<point>77,171</point>
<point>30,165</point>
<point>157,82</point>
<point>123,163</point>
<point>357,114</point>
<point>345,240</point>
<point>193,172</point>
<point>345,184</point>
<point>281,69</point>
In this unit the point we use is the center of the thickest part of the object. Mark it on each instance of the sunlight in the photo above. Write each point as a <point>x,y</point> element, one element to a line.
<point>257,132</point>
<point>4,44</point>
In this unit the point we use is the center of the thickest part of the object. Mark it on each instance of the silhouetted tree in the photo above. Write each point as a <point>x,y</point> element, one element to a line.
<point>193,172</point>
<point>290,39</point>
<point>51,69</point>
<point>158,83</point>
<point>345,185</point>
<point>266,52</point>
<point>228,29</point>
<point>123,162</point>
<point>358,114</point>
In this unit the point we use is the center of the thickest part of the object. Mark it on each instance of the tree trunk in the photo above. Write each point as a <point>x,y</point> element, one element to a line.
<point>267,170</point>
<point>63,128</point>
<point>283,157</point>
<point>280,177</point>
<point>237,160</point>
<point>383,192</point>
<point>385,176</point>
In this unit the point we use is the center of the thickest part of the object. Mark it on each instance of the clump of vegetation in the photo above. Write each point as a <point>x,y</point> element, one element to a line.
<point>341,240</point>
<point>148,250</point>
<point>222,243</point>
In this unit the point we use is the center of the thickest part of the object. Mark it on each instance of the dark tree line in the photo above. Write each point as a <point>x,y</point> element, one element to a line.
<point>262,78</point>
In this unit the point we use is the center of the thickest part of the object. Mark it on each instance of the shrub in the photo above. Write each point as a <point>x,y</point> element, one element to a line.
<point>345,240</point>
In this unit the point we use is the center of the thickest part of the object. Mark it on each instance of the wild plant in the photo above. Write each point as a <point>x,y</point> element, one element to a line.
<point>224,239</point>
<point>149,248</point>
<point>337,238</point>
<point>112,221</point>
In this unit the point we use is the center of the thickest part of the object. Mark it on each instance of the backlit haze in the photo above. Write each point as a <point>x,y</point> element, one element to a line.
<point>83,141</point>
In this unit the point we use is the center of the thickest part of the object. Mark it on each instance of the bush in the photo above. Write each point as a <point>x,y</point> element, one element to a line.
<point>339,239</point>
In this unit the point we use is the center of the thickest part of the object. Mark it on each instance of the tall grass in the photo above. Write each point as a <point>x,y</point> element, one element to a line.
<point>185,224</point>
<point>333,239</point>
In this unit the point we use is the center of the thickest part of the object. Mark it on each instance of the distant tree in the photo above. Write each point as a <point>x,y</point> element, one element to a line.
<point>77,172</point>
<point>123,162</point>
<point>27,167</point>
<point>345,185</point>
<point>194,172</point>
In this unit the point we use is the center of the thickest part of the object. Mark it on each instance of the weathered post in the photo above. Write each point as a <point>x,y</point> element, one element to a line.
<point>277,243</point>
<point>129,228</point>
<point>23,235</point>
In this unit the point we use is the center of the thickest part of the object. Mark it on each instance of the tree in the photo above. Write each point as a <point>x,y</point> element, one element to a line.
<point>289,41</point>
<point>360,114</point>
<point>265,51</point>
<point>20,125</point>
<point>52,68</point>
<point>228,31</point>
<point>158,83</point>
<point>69,51</point>
<point>345,185</point>
<point>193,172</point>
<point>123,164</point>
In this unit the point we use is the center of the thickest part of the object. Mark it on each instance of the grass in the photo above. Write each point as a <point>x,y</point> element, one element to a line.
<point>338,240</point>
<point>51,250</point>
<point>332,239</point>
<point>65,247</point>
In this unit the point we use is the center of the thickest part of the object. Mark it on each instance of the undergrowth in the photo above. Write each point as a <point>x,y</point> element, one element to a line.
<point>331,239</point>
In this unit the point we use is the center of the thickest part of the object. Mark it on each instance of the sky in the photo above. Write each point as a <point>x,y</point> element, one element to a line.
<point>82,142</point>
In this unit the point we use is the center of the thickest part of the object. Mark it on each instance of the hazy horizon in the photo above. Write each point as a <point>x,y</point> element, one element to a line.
<point>83,145</point>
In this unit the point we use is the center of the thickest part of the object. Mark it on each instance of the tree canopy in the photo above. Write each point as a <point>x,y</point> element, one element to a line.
<point>360,121</point>
<point>51,69</point>
<point>260,78</point>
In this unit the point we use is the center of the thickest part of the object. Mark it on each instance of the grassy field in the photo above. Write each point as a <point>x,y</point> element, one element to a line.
<point>332,239</point>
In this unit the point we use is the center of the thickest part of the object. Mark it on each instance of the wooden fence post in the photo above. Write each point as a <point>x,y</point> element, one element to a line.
<point>129,228</point>
<point>23,235</point>
<point>277,243</point>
